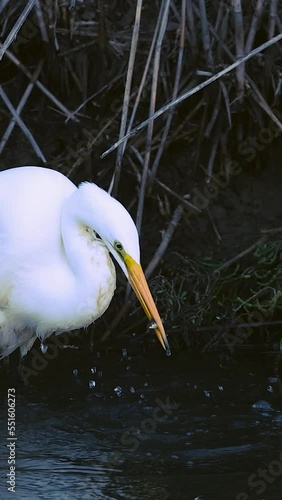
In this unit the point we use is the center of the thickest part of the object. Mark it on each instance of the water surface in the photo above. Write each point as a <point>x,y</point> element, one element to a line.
<point>133,426</point>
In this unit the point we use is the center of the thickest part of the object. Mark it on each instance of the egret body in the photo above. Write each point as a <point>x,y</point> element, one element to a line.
<point>56,273</point>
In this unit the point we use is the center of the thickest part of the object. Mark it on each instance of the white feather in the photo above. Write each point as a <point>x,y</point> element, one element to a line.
<point>55,274</point>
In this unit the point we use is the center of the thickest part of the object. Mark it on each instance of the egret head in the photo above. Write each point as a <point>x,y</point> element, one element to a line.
<point>111,221</point>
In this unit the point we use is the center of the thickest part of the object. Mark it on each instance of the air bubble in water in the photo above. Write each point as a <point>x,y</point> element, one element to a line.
<point>91,384</point>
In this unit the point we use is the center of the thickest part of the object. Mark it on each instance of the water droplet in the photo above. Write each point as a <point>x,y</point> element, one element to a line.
<point>262,405</point>
<point>132,390</point>
<point>118,390</point>
<point>207,394</point>
<point>220,388</point>
<point>124,353</point>
<point>43,347</point>
<point>91,384</point>
<point>93,369</point>
<point>168,352</point>
<point>75,372</point>
<point>142,396</point>
<point>152,325</point>
<point>146,384</point>
<point>270,388</point>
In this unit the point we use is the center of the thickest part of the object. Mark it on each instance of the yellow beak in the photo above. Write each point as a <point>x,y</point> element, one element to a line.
<point>140,286</point>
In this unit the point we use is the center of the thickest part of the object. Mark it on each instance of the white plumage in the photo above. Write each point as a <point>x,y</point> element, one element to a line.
<point>56,274</point>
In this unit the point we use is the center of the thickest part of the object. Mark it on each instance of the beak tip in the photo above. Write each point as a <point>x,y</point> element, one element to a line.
<point>140,286</point>
<point>165,344</point>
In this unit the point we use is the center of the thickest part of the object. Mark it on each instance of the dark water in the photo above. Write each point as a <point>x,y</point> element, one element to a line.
<point>134,426</point>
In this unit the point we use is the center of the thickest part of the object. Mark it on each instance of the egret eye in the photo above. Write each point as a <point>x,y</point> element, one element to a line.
<point>118,246</point>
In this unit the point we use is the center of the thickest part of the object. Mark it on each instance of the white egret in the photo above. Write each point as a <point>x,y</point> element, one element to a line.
<point>56,273</point>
